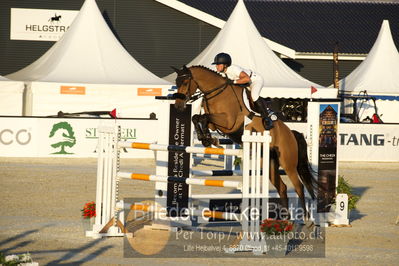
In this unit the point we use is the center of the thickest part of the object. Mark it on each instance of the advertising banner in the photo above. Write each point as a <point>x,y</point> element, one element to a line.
<point>369,142</point>
<point>61,137</point>
<point>30,137</point>
<point>364,142</point>
<point>19,137</point>
<point>179,162</point>
<point>327,170</point>
<point>40,24</point>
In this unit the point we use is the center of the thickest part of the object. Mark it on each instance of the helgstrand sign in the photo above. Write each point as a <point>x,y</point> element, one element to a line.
<point>40,24</point>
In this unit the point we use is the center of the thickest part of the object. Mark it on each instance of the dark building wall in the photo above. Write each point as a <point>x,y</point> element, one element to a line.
<point>156,35</point>
<point>321,71</point>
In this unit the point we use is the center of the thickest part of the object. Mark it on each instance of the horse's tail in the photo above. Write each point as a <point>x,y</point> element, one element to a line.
<point>304,169</point>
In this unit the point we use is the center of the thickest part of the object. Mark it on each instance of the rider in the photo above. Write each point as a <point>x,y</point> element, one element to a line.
<point>244,76</point>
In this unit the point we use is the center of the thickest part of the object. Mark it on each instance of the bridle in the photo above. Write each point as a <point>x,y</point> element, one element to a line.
<point>186,74</point>
<point>185,96</point>
<point>179,82</point>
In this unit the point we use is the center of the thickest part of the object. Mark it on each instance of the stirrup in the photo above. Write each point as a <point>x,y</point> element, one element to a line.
<point>272,116</point>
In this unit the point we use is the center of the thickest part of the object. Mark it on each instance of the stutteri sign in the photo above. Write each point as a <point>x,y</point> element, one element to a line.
<point>40,24</point>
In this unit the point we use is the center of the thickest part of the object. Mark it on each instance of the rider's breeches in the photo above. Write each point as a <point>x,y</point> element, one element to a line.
<point>256,86</point>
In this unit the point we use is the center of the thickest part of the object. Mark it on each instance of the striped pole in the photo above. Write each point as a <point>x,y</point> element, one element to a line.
<point>226,172</point>
<point>208,156</point>
<point>177,148</point>
<point>216,173</point>
<point>188,181</point>
<point>221,142</point>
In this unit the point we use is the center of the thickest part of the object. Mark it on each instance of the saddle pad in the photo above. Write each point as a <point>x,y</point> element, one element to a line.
<point>246,102</point>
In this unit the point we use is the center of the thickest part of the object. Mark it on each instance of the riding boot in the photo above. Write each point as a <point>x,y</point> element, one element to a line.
<point>267,114</point>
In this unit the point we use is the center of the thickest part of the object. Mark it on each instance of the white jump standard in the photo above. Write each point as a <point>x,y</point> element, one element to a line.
<point>254,185</point>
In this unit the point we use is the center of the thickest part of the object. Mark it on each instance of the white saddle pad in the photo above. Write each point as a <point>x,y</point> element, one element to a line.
<point>246,102</point>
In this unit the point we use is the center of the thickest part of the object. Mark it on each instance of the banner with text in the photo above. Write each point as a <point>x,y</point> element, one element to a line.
<point>40,24</point>
<point>61,137</point>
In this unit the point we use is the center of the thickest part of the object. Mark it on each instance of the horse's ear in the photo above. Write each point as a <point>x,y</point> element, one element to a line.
<point>175,69</point>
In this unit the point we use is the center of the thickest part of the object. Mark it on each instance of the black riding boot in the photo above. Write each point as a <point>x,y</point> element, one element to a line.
<point>268,115</point>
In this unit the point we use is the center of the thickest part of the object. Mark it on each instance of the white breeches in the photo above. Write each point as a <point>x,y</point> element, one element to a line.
<point>256,86</point>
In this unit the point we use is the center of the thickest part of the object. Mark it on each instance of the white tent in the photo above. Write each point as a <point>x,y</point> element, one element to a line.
<point>87,53</point>
<point>377,75</point>
<point>379,72</point>
<point>3,78</point>
<point>240,38</point>
<point>11,97</point>
<point>79,72</point>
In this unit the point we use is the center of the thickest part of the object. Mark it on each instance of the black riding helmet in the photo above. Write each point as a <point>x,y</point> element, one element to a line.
<point>222,58</point>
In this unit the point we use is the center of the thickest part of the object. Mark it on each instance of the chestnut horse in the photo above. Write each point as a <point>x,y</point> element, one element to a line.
<point>225,111</point>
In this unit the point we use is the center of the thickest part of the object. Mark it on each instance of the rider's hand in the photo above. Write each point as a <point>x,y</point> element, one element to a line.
<point>243,85</point>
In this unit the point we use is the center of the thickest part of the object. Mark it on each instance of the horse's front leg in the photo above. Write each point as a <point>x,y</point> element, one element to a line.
<point>201,127</point>
<point>201,123</point>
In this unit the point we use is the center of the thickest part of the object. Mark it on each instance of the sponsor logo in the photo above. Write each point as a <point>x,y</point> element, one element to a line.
<point>363,139</point>
<point>40,24</point>
<point>9,136</point>
<point>46,28</point>
<point>78,90</point>
<point>126,133</point>
<point>149,91</point>
<point>368,140</point>
<point>64,135</point>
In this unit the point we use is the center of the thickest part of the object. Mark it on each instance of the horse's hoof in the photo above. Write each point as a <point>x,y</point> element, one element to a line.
<point>216,143</point>
<point>207,142</point>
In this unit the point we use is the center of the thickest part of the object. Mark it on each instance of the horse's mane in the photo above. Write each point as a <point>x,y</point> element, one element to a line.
<point>210,70</point>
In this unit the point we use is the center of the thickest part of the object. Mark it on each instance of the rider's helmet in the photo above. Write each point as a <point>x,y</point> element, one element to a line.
<point>222,58</point>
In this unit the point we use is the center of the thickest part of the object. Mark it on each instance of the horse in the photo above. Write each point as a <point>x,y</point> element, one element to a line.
<point>225,111</point>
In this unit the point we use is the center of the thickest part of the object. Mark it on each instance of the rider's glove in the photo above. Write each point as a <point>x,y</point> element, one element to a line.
<point>230,82</point>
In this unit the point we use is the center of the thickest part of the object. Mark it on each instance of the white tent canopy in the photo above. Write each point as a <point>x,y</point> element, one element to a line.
<point>87,53</point>
<point>378,74</point>
<point>240,38</point>
<point>11,97</point>
<point>3,78</point>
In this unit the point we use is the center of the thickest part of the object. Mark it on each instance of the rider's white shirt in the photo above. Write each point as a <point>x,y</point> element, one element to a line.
<point>233,72</point>
<point>256,84</point>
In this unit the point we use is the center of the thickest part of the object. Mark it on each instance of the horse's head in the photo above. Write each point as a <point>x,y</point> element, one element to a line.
<point>186,87</point>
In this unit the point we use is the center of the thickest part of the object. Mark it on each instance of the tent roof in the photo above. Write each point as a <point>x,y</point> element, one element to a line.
<point>240,38</point>
<point>379,72</point>
<point>87,53</point>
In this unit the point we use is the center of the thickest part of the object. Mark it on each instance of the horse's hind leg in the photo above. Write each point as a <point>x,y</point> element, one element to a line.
<point>278,183</point>
<point>299,189</point>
